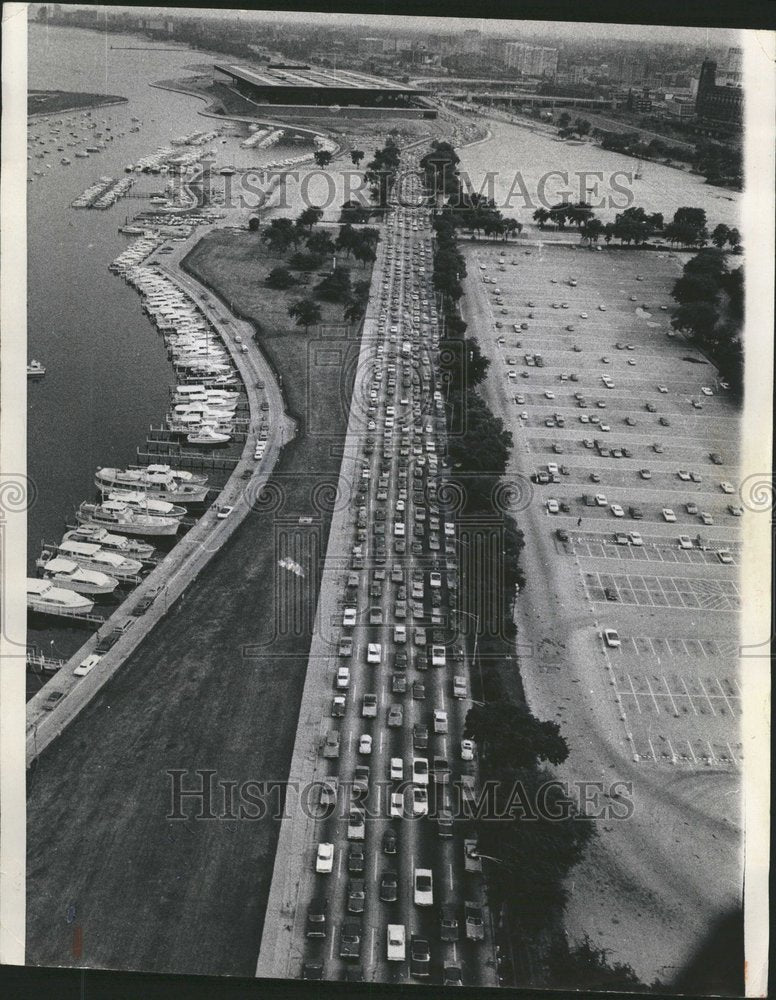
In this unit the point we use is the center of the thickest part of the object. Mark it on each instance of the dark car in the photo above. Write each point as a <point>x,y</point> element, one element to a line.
<point>562,535</point>
<point>452,976</point>
<point>356,859</point>
<point>448,922</point>
<point>398,683</point>
<point>53,700</point>
<point>312,970</point>
<point>420,956</point>
<point>636,513</point>
<point>356,895</point>
<point>389,887</point>
<point>420,736</point>
<point>316,919</point>
<point>418,691</point>
<point>610,594</point>
<point>389,842</point>
<point>716,458</point>
<point>350,938</point>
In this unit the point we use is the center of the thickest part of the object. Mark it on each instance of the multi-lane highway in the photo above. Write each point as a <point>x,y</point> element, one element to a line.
<point>388,849</point>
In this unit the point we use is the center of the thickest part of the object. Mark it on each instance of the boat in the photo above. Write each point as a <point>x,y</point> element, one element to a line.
<point>68,574</point>
<point>148,505</point>
<point>81,154</point>
<point>160,481</point>
<point>92,556</point>
<point>94,535</point>
<point>44,597</point>
<point>65,161</point>
<point>35,369</point>
<point>122,518</point>
<point>208,435</point>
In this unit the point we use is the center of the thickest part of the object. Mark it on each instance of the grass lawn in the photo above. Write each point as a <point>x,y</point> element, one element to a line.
<point>216,686</point>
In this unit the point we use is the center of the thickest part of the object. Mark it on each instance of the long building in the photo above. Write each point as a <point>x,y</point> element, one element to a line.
<point>532,60</point>
<point>718,103</point>
<point>313,87</point>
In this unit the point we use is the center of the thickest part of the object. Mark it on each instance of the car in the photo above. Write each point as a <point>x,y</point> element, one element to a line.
<point>716,458</point>
<point>418,690</point>
<point>420,770</point>
<point>398,683</point>
<point>396,805</point>
<point>419,802</point>
<point>735,511</point>
<point>399,634</point>
<point>520,399</point>
<point>423,887</point>
<point>316,918</point>
<point>374,653</point>
<point>338,706</point>
<point>355,859</point>
<point>475,926</point>
<point>706,517</point>
<point>610,594</point>
<point>86,665</point>
<point>53,700</point>
<point>552,506</point>
<point>343,678</point>
<point>635,538</point>
<point>636,513</point>
<point>662,388</point>
<point>611,638</point>
<point>460,689</point>
<point>631,362</point>
<point>691,508</point>
<point>657,448</point>
<point>651,408</point>
<point>695,477</point>
<point>365,744</point>
<point>685,542</point>
<point>617,510</point>
<point>349,617</point>
<point>549,394</point>
<point>594,477</point>
<point>601,500</point>
<point>664,422</point>
<point>440,721</point>
<point>312,970</point>
<point>396,943</point>
<point>224,511</point>
<point>668,515</point>
<point>395,716</point>
<point>448,923</point>
<point>452,974</point>
<point>350,938</point>
<point>345,646</point>
<point>467,749</point>
<point>420,736</point>
<point>645,473</point>
<point>706,391</point>
<point>438,656</point>
<point>420,956</point>
<point>621,538</point>
<point>356,895</point>
<point>324,858</point>
<point>726,487</point>
<point>684,475</point>
<point>331,744</point>
<point>724,557</point>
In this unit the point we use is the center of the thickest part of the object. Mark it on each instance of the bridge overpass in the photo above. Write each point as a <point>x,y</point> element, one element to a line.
<point>533,100</point>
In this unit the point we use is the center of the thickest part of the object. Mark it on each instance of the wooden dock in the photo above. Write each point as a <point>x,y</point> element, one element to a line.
<point>185,459</point>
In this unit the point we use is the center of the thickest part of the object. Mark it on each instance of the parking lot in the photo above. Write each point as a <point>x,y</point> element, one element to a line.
<point>631,444</point>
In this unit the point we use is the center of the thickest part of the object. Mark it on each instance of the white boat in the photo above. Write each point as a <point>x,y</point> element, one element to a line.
<point>94,535</point>
<point>208,435</point>
<point>94,557</point>
<point>160,481</point>
<point>43,596</point>
<point>124,519</point>
<point>68,574</point>
<point>146,504</point>
<point>35,369</point>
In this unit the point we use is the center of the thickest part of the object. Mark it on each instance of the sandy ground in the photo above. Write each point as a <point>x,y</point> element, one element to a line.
<point>652,885</point>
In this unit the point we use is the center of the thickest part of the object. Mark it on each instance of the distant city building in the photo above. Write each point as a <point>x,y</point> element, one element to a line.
<point>724,103</point>
<point>472,41</point>
<point>370,46</point>
<point>679,107</point>
<point>496,49</point>
<point>734,70</point>
<point>532,60</point>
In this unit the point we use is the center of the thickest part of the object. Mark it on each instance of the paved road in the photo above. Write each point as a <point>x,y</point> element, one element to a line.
<point>388,472</point>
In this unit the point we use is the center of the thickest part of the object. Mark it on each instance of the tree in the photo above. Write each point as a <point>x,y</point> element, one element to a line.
<point>347,239</point>
<point>591,230</point>
<point>280,277</point>
<point>565,120</point>
<point>309,217</point>
<point>734,237</point>
<point>720,235</point>
<point>510,737</point>
<point>280,235</point>
<point>303,261</point>
<point>321,243</point>
<point>335,287</point>
<point>354,212</point>
<point>322,157</point>
<point>365,253</point>
<point>356,156</point>
<point>541,215</point>
<point>305,312</point>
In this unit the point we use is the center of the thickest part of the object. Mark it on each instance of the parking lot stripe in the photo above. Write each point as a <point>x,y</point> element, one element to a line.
<point>689,696</point>
<point>635,696</point>
<point>724,695</point>
<point>706,694</point>
<point>652,695</point>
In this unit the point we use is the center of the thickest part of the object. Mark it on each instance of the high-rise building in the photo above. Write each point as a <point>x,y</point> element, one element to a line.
<point>734,70</point>
<point>532,60</point>
<point>715,102</point>
<point>472,41</point>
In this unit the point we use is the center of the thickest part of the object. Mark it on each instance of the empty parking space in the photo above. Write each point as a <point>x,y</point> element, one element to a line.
<point>666,592</point>
<point>668,552</point>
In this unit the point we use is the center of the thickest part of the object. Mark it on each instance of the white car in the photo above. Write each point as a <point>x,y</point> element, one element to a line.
<point>635,538</point>
<point>611,638</point>
<point>324,859</point>
<point>685,542</point>
<point>356,829</point>
<point>467,749</point>
<point>726,487</point>
<point>668,515</point>
<point>399,634</point>
<point>419,802</point>
<point>662,388</point>
<point>420,770</point>
<point>343,678</point>
<point>617,510</point>
<point>438,656</point>
<point>549,394</point>
<point>724,556</point>
<point>397,769</point>
<point>435,579</point>
<point>706,391</point>
<point>349,617</point>
<point>223,512</point>
<point>398,529</point>
<point>397,943</point>
<point>552,506</point>
<point>397,805</point>
<point>374,653</point>
<point>423,887</point>
<point>365,744</point>
<point>86,665</point>
<point>440,721</point>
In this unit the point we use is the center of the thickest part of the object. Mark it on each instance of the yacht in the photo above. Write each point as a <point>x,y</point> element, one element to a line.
<point>35,369</point>
<point>161,481</point>
<point>68,574</point>
<point>44,597</point>
<point>208,435</point>
<point>122,518</point>
<point>94,535</point>
<point>148,505</point>
<point>93,557</point>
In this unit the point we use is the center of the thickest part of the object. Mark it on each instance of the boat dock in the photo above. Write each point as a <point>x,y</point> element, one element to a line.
<point>172,452</point>
<point>37,663</point>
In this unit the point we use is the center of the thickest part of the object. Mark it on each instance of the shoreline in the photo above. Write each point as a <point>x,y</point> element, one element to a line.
<point>100,101</point>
